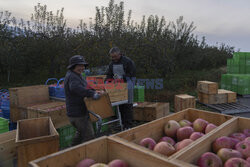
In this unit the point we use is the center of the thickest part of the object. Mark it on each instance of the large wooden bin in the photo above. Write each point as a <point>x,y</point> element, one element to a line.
<point>102,150</point>
<point>7,148</point>
<point>55,110</point>
<point>21,97</point>
<point>149,111</point>
<point>155,128</point>
<point>35,138</point>
<point>192,153</point>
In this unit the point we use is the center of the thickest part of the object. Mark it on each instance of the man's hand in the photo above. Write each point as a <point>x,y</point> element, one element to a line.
<point>96,96</point>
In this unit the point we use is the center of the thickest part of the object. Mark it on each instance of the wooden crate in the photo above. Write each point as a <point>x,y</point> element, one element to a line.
<point>8,150</point>
<point>35,138</point>
<point>56,110</point>
<point>108,150</point>
<point>192,153</point>
<point>149,111</point>
<point>219,98</point>
<point>207,87</point>
<point>231,96</point>
<point>117,92</point>
<point>97,79</point>
<point>184,101</point>
<point>102,107</point>
<point>155,128</point>
<point>21,97</point>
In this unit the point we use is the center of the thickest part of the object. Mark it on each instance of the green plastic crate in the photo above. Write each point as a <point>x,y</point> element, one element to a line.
<point>66,135</point>
<point>229,81</point>
<point>223,81</point>
<point>234,83</point>
<point>4,125</point>
<point>104,127</point>
<point>243,84</point>
<point>139,94</point>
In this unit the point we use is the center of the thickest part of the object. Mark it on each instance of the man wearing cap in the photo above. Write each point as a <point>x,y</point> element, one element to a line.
<point>123,68</point>
<point>75,90</point>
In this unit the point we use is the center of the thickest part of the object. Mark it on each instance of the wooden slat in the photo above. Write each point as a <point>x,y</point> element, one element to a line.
<point>101,107</point>
<point>8,150</point>
<point>102,150</point>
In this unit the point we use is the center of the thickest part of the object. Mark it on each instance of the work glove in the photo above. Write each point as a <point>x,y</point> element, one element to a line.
<point>96,96</point>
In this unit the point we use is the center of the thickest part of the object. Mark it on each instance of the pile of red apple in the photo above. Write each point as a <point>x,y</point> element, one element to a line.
<point>178,135</point>
<point>230,151</point>
<point>91,163</point>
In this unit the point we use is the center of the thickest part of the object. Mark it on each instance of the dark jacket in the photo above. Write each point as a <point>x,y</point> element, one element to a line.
<point>75,91</point>
<point>128,67</point>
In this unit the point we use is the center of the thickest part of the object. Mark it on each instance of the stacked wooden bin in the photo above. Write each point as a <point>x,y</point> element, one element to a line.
<point>209,93</point>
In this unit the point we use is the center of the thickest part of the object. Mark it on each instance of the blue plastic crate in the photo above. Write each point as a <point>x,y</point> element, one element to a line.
<point>12,126</point>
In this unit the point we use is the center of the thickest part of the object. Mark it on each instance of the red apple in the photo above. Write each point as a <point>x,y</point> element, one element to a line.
<point>246,132</point>
<point>176,146</point>
<point>195,135</point>
<point>244,148</point>
<point>227,153</point>
<point>99,165</point>
<point>185,122</point>
<point>248,159</point>
<point>247,139</point>
<point>210,127</point>
<point>164,148</point>
<point>86,163</point>
<point>199,125</point>
<point>222,142</point>
<point>184,133</point>
<point>118,163</point>
<point>183,144</point>
<point>236,162</point>
<point>168,139</point>
<point>171,128</point>
<point>148,143</point>
<point>209,159</point>
<point>239,136</point>
<point>234,141</point>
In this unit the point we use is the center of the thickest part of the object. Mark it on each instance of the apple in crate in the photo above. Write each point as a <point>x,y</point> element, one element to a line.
<point>185,122</point>
<point>210,127</point>
<point>234,141</point>
<point>148,143</point>
<point>244,148</point>
<point>246,132</point>
<point>240,136</point>
<point>164,148</point>
<point>184,133</point>
<point>227,153</point>
<point>248,159</point>
<point>199,125</point>
<point>118,163</point>
<point>222,142</point>
<point>171,128</point>
<point>180,145</point>
<point>168,140</point>
<point>247,139</point>
<point>209,159</point>
<point>236,162</point>
<point>86,163</point>
<point>196,135</point>
<point>99,165</point>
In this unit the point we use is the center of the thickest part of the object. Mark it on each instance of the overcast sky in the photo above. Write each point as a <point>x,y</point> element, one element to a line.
<point>226,21</point>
